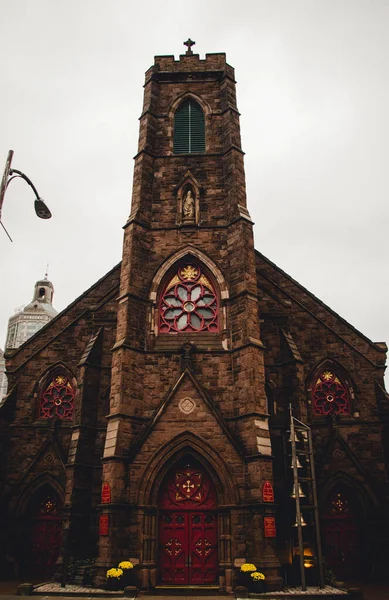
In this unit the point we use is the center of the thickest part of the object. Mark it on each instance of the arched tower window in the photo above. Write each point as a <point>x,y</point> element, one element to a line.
<point>330,394</point>
<point>189,128</point>
<point>57,397</point>
<point>189,302</point>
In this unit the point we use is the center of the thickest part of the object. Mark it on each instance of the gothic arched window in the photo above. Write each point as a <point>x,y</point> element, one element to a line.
<point>57,398</point>
<point>189,128</point>
<point>330,394</point>
<point>188,302</point>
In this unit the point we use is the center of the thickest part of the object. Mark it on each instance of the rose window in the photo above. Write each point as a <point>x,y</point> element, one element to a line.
<point>189,303</point>
<point>330,395</point>
<point>57,399</point>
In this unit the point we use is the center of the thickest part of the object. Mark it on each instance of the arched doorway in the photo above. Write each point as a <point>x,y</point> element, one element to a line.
<point>44,533</point>
<point>341,534</point>
<point>188,539</point>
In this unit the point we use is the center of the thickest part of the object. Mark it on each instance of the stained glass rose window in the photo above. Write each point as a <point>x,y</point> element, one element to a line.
<point>330,395</point>
<point>57,399</point>
<point>188,303</point>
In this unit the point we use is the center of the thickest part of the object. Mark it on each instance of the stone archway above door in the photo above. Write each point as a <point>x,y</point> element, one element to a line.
<point>187,444</point>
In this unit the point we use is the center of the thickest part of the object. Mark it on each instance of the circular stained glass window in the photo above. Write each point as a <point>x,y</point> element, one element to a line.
<point>189,303</point>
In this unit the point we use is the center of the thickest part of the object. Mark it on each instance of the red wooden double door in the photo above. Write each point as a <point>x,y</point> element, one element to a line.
<point>188,542</point>
<point>188,539</point>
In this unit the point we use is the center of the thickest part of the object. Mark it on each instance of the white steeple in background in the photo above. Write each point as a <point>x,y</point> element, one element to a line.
<point>26,322</point>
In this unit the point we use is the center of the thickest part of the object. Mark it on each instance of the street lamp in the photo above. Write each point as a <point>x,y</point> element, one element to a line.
<point>9,174</point>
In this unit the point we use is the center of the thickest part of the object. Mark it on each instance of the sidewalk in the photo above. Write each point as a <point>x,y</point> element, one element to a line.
<point>375,591</point>
<point>8,591</point>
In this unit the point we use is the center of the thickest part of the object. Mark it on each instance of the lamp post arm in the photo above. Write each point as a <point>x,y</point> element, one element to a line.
<point>41,210</point>
<point>27,179</point>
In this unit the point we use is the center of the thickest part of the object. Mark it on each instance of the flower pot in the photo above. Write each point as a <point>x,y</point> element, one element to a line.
<point>257,587</point>
<point>114,584</point>
<point>128,577</point>
<point>245,579</point>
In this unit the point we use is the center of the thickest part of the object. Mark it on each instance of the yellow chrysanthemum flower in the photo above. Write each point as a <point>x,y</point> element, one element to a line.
<point>248,568</point>
<point>257,576</point>
<point>114,573</point>
<point>126,564</point>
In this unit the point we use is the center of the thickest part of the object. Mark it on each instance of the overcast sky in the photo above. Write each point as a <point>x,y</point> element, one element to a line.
<point>313,93</point>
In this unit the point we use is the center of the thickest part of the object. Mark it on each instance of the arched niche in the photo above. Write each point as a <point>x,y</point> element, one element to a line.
<point>188,193</point>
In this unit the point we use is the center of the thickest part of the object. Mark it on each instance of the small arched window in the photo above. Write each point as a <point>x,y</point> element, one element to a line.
<point>57,398</point>
<point>189,128</point>
<point>188,302</point>
<point>330,394</point>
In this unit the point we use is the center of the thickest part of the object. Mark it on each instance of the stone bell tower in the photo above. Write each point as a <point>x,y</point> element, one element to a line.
<point>188,331</point>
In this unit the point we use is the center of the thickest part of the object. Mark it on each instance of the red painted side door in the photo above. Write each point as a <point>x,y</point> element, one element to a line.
<point>342,547</point>
<point>46,541</point>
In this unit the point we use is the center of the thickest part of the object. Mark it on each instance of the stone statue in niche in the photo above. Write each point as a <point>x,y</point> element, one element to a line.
<point>188,207</point>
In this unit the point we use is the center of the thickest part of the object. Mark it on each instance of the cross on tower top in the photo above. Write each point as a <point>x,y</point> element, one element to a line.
<point>189,44</point>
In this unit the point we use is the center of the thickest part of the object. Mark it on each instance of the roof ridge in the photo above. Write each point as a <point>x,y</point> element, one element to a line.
<point>376,345</point>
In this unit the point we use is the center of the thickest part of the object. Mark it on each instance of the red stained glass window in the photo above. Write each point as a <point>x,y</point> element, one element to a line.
<point>189,303</point>
<point>57,400</point>
<point>187,487</point>
<point>330,395</point>
<point>48,506</point>
<point>339,504</point>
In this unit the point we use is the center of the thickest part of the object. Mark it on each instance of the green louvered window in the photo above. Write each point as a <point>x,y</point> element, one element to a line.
<point>189,128</point>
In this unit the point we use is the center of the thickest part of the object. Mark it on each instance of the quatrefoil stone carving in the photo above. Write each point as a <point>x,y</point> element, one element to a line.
<point>186,405</point>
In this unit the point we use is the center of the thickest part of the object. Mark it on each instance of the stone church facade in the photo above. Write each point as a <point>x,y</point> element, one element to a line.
<point>149,417</point>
